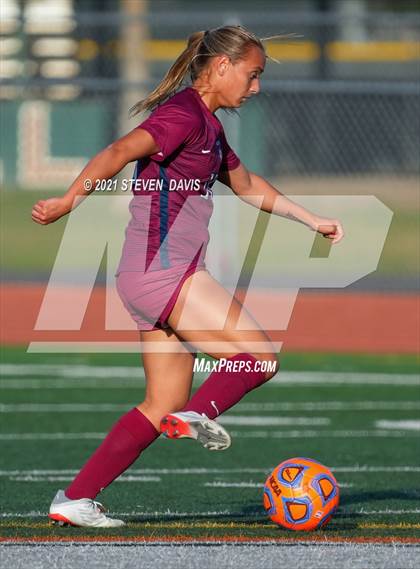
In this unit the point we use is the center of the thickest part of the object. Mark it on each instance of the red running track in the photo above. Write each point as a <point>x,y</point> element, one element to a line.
<point>328,322</point>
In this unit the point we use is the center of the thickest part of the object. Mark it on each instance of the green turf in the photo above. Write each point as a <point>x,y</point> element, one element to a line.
<point>153,506</point>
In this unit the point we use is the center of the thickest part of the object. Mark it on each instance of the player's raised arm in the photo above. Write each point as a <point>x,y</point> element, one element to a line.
<point>250,188</point>
<point>136,144</point>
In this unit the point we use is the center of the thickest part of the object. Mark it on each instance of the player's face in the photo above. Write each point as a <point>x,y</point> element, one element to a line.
<point>242,79</point>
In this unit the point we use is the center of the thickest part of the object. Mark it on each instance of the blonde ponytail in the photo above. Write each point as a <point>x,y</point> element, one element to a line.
<point>233,41</point>
<point>173,78</point>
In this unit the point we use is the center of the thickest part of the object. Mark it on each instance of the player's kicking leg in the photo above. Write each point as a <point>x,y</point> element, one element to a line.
<point>246,360</point>
<point>163,394</point>
<point>168,387</point>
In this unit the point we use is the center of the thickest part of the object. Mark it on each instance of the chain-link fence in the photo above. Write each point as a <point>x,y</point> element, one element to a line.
<point>344,100</point>
<point>320,128</point>
<point>293,129</point>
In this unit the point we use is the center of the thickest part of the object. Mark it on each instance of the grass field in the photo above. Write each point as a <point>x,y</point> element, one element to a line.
<point>357,414</point>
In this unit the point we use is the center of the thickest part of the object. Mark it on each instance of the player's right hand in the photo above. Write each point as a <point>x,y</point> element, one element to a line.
<point>48,211</point>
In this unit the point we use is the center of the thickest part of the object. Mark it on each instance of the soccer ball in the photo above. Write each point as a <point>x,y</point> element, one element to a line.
<point>301,494</point>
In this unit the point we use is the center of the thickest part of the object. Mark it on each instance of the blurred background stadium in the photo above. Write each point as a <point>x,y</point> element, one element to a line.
<point>338,113</point>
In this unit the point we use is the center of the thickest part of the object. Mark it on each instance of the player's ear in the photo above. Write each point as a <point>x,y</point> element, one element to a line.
<point>222,64</point>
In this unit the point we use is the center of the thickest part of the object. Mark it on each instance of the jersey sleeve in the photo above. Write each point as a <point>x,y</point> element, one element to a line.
<point>171,126</point>
<point>230,160</point>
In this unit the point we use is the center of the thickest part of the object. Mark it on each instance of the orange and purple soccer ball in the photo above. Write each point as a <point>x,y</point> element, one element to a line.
<point>301,494</point>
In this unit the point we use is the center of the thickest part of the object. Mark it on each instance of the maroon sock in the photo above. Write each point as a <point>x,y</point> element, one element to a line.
<point>222,389</point>
<point>130,435</point>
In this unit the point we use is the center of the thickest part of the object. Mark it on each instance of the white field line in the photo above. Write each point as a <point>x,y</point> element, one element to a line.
<point>72,371</point>
<point>332,378</point>
<point>409,424</point>
<point>50,436</point>
<point>30,478</point>
<point>354,469</point>
<point>64,407</point>
<point>383,512</point>
<point>328,406</point>
<point>210,514</point>
<point>253,485</point>
<point>233,484</point>
<point>247,420</point>
<point>240,407</point>
<point>136,374</point>
<point>145,471</point>
<point>292,434</point>
<point>304,434</point>
<point>250,420</point>
<point>136,479</point>
<point>88,383</point>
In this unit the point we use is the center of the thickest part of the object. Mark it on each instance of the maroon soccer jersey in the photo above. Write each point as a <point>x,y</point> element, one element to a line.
<point>172,202</point>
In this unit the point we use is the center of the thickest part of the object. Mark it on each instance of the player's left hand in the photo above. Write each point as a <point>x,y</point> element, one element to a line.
<point>48,211</point>
<point>329,228</point>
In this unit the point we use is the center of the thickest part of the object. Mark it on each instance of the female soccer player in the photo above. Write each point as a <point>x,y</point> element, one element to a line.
<point>162,280</point>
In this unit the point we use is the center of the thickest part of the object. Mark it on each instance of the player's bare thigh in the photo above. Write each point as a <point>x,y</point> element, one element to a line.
<point>210,318</point>
<point>168,367</point>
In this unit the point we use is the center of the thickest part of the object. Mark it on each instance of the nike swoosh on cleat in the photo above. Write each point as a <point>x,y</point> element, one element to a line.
<point>205,151</point>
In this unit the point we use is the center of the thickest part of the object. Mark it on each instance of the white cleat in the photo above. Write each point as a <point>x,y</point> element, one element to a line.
<point>192,425</point>
<point>80,513</point>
